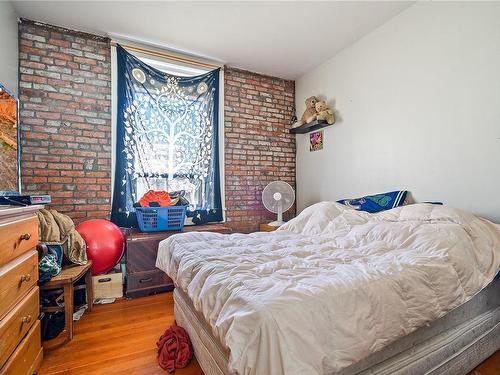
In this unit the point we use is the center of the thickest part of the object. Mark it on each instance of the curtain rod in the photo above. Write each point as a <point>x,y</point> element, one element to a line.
<point>166,55</point>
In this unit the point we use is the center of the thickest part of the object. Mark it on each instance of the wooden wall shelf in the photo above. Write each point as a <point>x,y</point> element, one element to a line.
<point>306,128</point>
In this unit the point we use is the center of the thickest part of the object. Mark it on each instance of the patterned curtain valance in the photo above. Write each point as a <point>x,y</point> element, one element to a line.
<point>167,139</point>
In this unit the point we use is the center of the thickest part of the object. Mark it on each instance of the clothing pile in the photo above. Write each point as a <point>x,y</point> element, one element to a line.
<point>162,199</point>
<point>59,237</point>
<point>174,349</point>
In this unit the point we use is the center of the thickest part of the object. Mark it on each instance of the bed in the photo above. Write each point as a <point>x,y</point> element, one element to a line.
<point>337,291</point>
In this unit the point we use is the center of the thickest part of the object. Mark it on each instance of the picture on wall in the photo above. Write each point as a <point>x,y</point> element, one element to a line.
<point>316,141</point>
<point>8,142</point>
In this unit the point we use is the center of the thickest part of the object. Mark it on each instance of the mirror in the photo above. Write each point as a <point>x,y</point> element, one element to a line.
<point>9,143</point>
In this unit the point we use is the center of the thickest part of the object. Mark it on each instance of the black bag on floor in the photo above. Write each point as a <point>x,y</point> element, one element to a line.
<point>52,325</point>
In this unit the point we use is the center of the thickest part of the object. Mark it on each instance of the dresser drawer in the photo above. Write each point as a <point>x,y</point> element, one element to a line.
<point>17,237</point>
<point>27,357</point>
<point>17,323</point>
<point>149,282</point>
<point>141,280</point>
<point>16,278</point>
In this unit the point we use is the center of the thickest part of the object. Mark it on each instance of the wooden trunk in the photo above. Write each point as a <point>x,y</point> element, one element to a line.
<point>142,277</point>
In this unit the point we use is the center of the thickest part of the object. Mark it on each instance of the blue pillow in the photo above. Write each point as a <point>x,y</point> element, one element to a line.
<point>376,203</point>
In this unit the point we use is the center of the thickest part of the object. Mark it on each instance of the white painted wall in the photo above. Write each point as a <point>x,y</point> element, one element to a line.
<point>8,47</point>
<point>418,103</point>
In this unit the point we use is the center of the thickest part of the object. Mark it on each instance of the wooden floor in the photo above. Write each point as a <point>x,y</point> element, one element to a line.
<point>489,367</point>
<point>120,338</point>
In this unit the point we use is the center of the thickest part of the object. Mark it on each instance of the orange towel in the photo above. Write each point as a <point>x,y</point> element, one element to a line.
<point>160,197</point>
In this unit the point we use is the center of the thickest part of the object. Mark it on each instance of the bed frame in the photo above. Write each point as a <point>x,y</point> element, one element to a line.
<point>451,345</point>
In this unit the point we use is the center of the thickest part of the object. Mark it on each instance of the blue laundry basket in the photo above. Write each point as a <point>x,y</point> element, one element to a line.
<point>157,219</point>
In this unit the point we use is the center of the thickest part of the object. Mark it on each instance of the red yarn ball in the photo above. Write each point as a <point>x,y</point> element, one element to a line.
<point>105,244</point>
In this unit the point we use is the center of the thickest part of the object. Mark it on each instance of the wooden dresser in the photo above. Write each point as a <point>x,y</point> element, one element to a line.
<point>20,343</point>
<point>142,277</point>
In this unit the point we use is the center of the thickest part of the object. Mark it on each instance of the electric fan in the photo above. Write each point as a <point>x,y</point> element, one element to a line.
<point>278,197</point>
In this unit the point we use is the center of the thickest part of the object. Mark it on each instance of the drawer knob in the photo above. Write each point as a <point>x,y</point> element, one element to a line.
<point>146,280</point>
<point>26,277</point>
<point>25,237</point>
<point>26,319</point>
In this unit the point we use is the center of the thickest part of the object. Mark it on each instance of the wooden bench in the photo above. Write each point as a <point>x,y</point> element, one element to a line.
<point>66,280</point>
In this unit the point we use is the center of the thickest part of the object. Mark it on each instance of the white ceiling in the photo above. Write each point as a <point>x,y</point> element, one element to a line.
<point>283,39</point>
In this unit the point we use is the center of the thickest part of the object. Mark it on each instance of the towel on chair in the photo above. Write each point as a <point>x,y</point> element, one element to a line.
<point>174,349</point>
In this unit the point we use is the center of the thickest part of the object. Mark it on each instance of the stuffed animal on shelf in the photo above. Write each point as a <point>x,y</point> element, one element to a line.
<point>323,112</point>
<point>309,114</point>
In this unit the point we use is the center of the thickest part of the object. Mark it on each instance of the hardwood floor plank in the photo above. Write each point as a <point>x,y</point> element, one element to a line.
<point>120,338</point>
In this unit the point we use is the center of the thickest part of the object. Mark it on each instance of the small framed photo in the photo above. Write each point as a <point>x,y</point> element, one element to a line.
<point>316,141</point>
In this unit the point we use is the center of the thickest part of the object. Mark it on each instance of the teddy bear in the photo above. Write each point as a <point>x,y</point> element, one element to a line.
<point>309,114</point>
<point>323,112</point>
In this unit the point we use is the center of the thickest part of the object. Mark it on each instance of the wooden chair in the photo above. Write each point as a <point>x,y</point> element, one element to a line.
<point>66,280</point>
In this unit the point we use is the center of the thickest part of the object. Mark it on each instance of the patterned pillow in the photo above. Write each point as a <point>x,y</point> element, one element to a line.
<point>378,202</point>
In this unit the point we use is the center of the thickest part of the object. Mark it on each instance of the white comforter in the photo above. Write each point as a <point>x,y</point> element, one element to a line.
<point>332,285</point>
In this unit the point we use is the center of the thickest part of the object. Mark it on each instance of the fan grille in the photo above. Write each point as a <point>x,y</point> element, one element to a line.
<point>278,193</point>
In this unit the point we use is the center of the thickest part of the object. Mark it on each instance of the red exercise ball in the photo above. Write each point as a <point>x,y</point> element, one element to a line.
<point>104,244</point>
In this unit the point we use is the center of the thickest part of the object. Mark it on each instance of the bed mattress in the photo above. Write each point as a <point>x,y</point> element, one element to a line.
<point>451,345</point>
<point>341,283</point>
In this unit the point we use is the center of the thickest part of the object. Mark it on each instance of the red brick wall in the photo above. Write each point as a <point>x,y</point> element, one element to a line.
<point>258,147</point>
<point>65,117</point>
<point>65,121</point>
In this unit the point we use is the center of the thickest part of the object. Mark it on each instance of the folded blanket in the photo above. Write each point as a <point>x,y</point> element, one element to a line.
<point>56,228</point>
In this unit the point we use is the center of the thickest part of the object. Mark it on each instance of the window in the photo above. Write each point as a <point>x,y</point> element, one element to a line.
<point>167,136</point>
